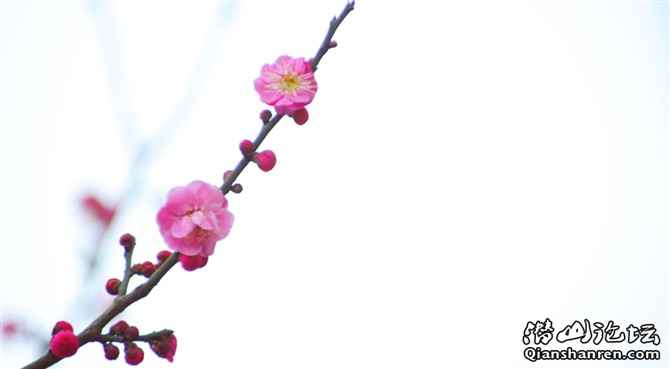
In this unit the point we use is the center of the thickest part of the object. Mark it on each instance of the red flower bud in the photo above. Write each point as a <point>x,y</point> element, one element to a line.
<point>265,116</point>
<point>246,147</point>
<point>137,269</point>
<point>61,326</point>
<point>265,160</point>
<point>64,344</point>
<point>148,268</point>
<point>191,263</point>
<point>119,327</point>
<point>134,354</point>
<point>111,351</point>
<point>227,174</point>
<point>165,347</point>
<point>112,286</point>
<point>236,188</point>
<point>300,116</point>
<point>127,240</point>
<point>131,333</point>
<point>162,255</point>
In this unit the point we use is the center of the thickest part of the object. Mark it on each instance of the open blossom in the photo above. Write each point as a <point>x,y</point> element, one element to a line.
<point>195,218</point>
<point>288,84</point>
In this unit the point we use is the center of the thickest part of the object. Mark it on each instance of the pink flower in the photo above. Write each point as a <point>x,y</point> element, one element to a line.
<point>288,84</point>
<point>194,218</point>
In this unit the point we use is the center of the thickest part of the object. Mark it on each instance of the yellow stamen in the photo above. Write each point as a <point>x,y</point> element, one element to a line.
<point>289,82</point>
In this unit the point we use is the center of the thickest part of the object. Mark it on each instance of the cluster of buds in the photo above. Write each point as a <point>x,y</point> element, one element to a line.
<point>300,116</point>
<point>145,269</point>
<point>163,343</point>
<point>265,160</point>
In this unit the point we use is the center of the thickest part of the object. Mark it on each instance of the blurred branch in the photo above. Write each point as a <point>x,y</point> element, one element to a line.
<point>122,107</point>
<point>148,149</point>
<point>108,37</point>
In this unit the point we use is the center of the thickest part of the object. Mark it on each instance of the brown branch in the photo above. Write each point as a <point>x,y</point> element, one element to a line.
<point>92,333</point>
<point>325,45</point>
<point>103,338</point>
<point>127,273</point>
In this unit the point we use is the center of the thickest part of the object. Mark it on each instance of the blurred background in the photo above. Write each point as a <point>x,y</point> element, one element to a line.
<point>467,167</point>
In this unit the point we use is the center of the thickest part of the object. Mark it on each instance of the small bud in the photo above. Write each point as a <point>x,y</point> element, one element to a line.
<point>148,268</point>
<point>127,240</point>
<point>162,255</point>
<point>112,286</point>
<point>300,116</point>
<point>118,328</point>
<point>137,269</point>
<point>246,147</point>
<point>131,333</point>
<point>191,263</point>
<point>134,354</point>
<point>64,344</point>
<point>332,44</point>
<point>265,160</point>
<point>237,188</point>
<point>165,347</point>
<point>111,351</point>
<point>265,116</point>
<point>227,174</point>
<point>61,326</point>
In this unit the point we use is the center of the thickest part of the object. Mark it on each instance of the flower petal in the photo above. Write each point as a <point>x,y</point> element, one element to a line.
<point>182,227</point>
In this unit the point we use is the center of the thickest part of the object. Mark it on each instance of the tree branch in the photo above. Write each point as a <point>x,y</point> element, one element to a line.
<point>92,333</point>
<point>103,338</point>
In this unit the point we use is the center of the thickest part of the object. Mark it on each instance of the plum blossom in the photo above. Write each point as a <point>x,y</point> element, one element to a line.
<point>288,84</point>
<point>194,218</point>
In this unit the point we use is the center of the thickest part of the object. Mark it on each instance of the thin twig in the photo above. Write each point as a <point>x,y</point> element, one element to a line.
<point>334,23</point>
<point>103,338</point>
<point>127,273</point>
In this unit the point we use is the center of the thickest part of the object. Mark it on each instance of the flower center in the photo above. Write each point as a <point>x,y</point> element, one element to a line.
<point>197,235</point>
<point>289,82</point>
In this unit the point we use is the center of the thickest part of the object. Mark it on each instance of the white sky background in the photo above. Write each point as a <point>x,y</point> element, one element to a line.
<point>468,166</point>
